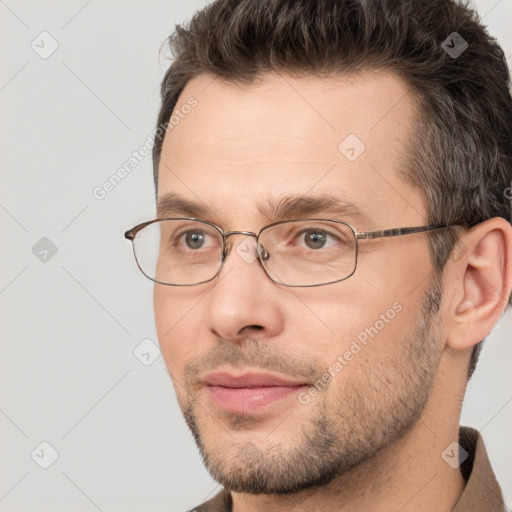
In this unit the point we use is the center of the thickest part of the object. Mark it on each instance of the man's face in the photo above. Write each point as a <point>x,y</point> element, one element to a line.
<point>370,343</point>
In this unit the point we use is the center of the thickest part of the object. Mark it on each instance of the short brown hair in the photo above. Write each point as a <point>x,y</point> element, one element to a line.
<point>460,155</point>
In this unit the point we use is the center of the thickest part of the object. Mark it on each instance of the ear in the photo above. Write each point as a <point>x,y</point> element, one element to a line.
<point>480,281</point>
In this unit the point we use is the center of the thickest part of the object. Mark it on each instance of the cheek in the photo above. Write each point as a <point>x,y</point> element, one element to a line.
<point>368,344</point>
<point>348,318</point>
<point>177,325</point>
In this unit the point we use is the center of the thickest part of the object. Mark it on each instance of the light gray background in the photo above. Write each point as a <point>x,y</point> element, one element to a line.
<point>70,325</point>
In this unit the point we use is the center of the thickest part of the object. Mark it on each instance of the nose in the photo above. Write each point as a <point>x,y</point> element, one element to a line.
<point>244,302</point>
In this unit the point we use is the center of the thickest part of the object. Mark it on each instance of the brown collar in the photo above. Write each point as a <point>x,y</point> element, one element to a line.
<point>482,492</point>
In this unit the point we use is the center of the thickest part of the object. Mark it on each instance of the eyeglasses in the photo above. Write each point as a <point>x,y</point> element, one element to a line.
<point>305,252</point>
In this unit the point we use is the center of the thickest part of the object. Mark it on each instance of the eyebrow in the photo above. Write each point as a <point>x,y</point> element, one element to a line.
<point>172,204</point>
<point>284,208</point>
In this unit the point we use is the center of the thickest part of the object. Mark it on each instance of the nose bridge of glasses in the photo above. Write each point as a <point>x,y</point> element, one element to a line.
<point>227,234</point>
<point>242,248</point>
<point>246,233</point>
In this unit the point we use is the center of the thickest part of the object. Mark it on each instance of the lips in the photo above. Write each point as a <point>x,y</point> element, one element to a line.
<point>248,380</point>
<point>250,392</point>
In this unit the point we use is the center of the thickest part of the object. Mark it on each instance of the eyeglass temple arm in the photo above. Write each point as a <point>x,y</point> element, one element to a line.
<point>130,234</point>
<point>367,235</point>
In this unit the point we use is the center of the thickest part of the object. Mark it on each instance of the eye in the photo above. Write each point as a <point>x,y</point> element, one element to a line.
<point>188,237</point>
<point>316,238</point>
<point>194,239</point>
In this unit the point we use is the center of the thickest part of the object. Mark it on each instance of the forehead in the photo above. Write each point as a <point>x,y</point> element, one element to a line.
<point>241,146</point>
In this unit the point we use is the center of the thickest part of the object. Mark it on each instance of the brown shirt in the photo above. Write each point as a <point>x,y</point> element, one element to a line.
<point>481,493</point>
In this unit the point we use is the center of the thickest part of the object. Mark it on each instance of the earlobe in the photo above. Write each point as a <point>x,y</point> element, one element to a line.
<point>482,281</point>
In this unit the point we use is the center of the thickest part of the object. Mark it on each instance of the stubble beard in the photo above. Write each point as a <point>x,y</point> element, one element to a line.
<point>376,408</point>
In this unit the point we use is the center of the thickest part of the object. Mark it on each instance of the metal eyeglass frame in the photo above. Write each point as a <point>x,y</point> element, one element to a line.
<point>358,235</point>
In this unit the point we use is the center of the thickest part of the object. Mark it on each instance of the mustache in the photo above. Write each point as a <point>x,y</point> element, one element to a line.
<point>254,354</point>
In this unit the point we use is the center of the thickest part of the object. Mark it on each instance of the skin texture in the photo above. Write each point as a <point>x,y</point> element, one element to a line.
<point>372,438</point>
